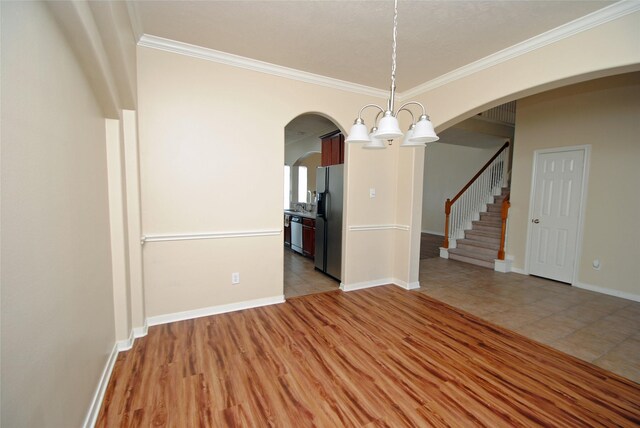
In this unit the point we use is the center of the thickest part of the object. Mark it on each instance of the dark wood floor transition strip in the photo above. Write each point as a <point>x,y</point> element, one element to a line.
<point>376,357</point>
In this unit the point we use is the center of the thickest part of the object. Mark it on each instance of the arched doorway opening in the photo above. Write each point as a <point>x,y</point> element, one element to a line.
<point>311,245</point>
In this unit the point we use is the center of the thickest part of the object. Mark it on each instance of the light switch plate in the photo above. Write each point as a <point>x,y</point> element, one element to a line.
<point>372,192</point>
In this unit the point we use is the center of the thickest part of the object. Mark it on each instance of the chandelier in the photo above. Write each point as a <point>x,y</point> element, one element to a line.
<point>388,128</point>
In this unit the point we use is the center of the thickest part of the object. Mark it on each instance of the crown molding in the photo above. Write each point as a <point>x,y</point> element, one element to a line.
<point>594,19</point>
<point>599,17</point>
<point>160,43</point>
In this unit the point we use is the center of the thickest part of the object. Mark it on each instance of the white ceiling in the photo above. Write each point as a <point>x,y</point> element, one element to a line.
<point>351,40</point>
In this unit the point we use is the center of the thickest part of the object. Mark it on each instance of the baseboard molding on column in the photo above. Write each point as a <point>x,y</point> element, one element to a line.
<point>378,282</point>
<point>366,284</point>
<point>444,253</point>
<point>406,285</point>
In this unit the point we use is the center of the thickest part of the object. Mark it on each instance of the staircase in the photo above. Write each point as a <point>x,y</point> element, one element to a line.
<point>475,218</point>
<point>481,243</point>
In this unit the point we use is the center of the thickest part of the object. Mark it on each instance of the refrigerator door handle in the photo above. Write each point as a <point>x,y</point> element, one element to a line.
<point>327,205</point>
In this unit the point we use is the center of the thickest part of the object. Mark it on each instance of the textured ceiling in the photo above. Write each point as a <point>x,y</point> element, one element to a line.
<point>351,40</point>
<point>307,126</point>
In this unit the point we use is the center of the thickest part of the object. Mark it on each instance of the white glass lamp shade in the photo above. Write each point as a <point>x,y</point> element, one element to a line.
<point>407,142</point>
<point>424,132</point>
<point>375,142</point>
<point>388,128</point>
<point>358,134</point>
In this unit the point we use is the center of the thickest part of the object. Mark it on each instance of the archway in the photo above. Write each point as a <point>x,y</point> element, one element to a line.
<point>308,239</point>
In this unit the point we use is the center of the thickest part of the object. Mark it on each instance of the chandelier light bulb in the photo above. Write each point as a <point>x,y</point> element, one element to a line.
<point>374,143</point>
<point>358,133</point>
<point>388,128</point>
<point>424,132</point>
<point>407,141</point>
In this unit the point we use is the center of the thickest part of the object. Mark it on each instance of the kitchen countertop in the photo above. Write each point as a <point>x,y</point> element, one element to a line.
<point>300,214</point>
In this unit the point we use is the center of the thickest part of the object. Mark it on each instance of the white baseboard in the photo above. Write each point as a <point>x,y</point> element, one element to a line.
<point>378,282</point>
<point>141,331</point>
<point>125,345</point>
<point>98,396</point>
<point>136,332</point>
<point>406,285</point>
<point>608,291</point>
<point>365,284</point>
<point>433,232</point>
<point>444,253</point>
<point>214,310</point>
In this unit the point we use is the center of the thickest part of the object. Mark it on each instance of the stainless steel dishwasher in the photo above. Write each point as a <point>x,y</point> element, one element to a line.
<point>296,234</point>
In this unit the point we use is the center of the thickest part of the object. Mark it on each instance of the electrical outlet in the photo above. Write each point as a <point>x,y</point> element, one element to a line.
<point>235,278</point>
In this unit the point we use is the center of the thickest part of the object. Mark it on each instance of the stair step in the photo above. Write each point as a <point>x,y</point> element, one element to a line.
<point>498,200</point>
<point>463,256</point>
<point>478,235</point>
<point>494,208</point>
<point>493,246</point>
<point>505,191</point>
<point>493,229</point>
<point>491,217</point>
<point>491,253</point>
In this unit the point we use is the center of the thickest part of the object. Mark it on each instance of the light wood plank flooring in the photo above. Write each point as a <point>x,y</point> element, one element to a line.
<point>375,357</point>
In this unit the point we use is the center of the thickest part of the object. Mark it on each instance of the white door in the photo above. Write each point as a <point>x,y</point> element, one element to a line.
<point>557,193</point>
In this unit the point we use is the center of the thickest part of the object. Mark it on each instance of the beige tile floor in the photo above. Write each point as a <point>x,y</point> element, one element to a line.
<point>594,327</point>
<point>301,278</point>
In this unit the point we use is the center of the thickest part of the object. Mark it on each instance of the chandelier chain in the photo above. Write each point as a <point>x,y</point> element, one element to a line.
<point>421,130</point>
<point>393,53</point>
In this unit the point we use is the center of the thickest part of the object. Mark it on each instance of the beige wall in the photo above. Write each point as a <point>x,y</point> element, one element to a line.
<point>189,161</point>
<point>57,301</point>
<point>606,49</point>
<point>604,114</point>
<point>448,167</point>
<point>199,160</point>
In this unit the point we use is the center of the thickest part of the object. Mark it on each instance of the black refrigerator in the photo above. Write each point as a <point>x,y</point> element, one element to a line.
<point>329,186</point>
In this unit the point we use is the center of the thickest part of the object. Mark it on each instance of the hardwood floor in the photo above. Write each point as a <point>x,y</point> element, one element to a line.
<point>375,357</point>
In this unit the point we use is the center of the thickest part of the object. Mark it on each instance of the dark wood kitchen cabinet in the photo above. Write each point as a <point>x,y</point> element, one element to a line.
<point>287,232</point>
<point>332,149</point>
<point>309,237</point>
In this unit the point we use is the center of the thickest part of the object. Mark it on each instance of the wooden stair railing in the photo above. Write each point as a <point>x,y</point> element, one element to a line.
<point>449,202</point>
<point>503,216</point>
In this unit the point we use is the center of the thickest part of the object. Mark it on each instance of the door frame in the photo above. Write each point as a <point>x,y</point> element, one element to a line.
<point>586,148</point>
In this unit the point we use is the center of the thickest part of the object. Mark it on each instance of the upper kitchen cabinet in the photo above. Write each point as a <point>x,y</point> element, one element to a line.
<point>332,148</point>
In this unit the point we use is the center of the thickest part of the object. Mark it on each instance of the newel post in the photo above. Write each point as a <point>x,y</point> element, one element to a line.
<point>447,212</point>
<point>503,214</point>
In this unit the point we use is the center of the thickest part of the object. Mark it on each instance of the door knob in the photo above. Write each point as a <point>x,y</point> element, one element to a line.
<point>535,220</point>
